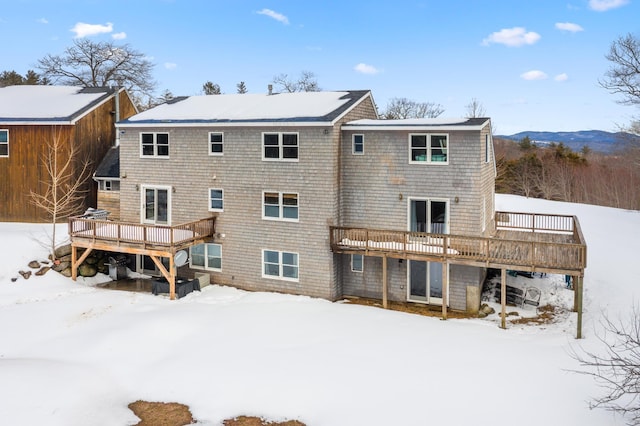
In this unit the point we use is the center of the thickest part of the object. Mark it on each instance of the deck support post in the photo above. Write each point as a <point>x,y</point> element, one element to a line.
<point>503,298</point>
<point>445,288</point>
<point>74,265</point>
<point>75,262</point>
<point>385,287</point>
<point>577,294</point>
<point>172,282</point>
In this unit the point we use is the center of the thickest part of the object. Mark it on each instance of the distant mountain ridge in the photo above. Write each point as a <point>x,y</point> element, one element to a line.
<point>596,140</point>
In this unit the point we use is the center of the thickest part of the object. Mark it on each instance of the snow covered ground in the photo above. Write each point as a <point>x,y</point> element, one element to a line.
<point>74,354</point>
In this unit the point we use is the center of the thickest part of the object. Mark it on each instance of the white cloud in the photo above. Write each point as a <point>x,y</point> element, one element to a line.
<point>604,5</point>
<point>568,26</point>
<point>170,65</point>
<point>83,30</point>
<point>534,75</point>
<point>513,37</point>
<point>119,36</point>
<point>43,21</point>
<point>366,69</point>
<point>561,77</point>
<point>275,15</point>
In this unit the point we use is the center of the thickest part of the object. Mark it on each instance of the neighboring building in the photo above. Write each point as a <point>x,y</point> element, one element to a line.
<point>30,117</point>
<point>312,194</point>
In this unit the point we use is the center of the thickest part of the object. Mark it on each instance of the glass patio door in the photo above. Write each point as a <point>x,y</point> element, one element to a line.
<point>155,205</point>
<point>425,278</point>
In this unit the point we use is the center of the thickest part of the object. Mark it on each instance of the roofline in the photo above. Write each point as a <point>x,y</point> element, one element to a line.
<point>207,123</point>
<point>416,127</point>
<point>412,127</point>
<point>70,120</point>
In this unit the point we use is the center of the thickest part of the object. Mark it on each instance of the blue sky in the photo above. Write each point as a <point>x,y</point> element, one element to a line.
<point>532,64</point>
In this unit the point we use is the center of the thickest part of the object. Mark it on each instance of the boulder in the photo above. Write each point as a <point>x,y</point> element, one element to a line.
<point>63,251</point>
<point>66,272</point>
<point>34,264</point>
<point>62,266</point>
<point>42,270</point>
<point>86,270</point>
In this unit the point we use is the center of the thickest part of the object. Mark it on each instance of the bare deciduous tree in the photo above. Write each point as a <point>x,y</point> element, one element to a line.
<point>624,76</point>
<point>475,109</point>
<point>616,368</point>
<point>62,194</point>
<point>401,108</point>
<point>100,64</point>
<point>307,82</point>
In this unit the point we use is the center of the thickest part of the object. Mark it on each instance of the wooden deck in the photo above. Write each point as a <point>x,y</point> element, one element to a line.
<point>155,241</point>
<point>523,241</point>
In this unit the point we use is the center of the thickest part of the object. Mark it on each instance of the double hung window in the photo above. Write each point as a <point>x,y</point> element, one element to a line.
<point>216,143</point>
<point>4,143</point>
<point>428,148</point>
<point>154,144</point>
<point>358,145</point>
<point>280,264</point>
<point>280,146</point>
<point>216,199</point>
<point>280,206</point>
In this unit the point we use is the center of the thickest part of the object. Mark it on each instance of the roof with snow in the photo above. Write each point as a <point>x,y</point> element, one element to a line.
<point>301,107</point>
<point>25,104</point>
<point>434,124</point>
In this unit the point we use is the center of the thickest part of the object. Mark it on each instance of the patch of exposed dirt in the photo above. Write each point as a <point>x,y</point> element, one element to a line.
<point>413,308</point>
<point>547,314</point>
<point>161,413</point>
<point>175,414</point>
<point>257,421</point>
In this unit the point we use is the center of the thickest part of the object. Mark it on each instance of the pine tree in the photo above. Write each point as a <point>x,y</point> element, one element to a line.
<point>241,87</point>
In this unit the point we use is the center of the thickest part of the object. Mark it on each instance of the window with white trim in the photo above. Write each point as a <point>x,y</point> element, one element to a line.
<point>280,205</point>
<point>428,148</point>
<point>216,143</point>
<point>357,262</point>
<point>280,146</point>
<point>206,256</point>
<point>4,143</point>
<point>487,148</point>
<point>358,145</point>
<point>154,144</point>
<point>109,185</point>
<point>216,199</point>
<point>280,264</point>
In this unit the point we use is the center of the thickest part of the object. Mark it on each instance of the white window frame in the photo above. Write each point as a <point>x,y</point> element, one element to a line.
<point>281,206</point>
<point>281,147</point>
<point>212,143</point>
<point>354,269</point>
<point>487,148</point>
<point>5,143</point>
<point>206,256</point>
<point>354,151</point>
<point>428,149</point>
<point>214,209</point>
<point>281,265</point>
<point>143,189</point>
<point>155,145</point>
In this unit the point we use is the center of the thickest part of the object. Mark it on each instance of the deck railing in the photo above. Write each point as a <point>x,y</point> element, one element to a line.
<point>141,234</point>
<point>531,253</point>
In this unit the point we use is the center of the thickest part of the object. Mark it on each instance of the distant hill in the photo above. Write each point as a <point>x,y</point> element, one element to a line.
<point>597,140</point>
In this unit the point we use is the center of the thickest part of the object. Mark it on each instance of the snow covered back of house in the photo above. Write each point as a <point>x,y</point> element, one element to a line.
<point>76,354</point>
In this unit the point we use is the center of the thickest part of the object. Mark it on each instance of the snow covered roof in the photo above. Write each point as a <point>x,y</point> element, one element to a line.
<point>312,108</point>
<point>421,124</point>
<point>48,104</point>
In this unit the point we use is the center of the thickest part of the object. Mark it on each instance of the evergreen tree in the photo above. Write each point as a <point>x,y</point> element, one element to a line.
<point>241,87</point>
<point>210,88</point>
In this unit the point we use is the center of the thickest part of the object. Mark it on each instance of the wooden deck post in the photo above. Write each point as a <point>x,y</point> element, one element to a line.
<point>385,289</point>
<point>172,281</point>
<point>445,288</point>
<point>577,294</point>
<point>503,298</point>
<point>74,266</point>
